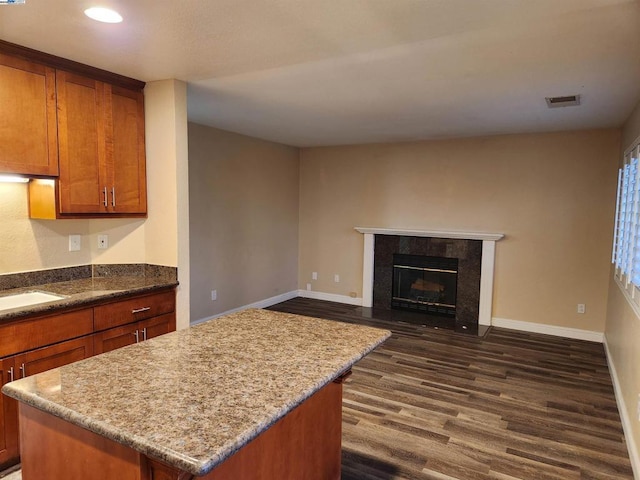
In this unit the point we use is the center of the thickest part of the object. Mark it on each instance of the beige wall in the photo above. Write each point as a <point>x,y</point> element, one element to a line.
<point>552,195</point>
<point>27,245</point>
<point>36,244</point>
<point>623,331</point>
<point>166,236</point>
<point>244,220</point>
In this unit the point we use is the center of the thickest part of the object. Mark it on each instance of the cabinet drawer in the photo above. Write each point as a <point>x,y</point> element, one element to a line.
<point>42,331</point>
<point>128,311</point>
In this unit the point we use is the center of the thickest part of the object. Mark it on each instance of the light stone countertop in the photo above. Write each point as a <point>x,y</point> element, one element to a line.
<point>192,398</point>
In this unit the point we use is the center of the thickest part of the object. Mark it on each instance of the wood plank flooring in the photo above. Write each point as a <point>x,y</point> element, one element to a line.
<point>435,404</point>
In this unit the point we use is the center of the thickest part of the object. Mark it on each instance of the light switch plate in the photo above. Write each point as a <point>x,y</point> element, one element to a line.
<point>74,243</point>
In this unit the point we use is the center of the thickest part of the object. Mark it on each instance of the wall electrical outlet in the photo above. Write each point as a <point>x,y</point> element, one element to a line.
<point>308,286</point>
<point>103,241</point>
<point>581,308</point>
<point>336,278</point>
<point>314,275</point>
<point>214,295</point>
<point>74,243</point>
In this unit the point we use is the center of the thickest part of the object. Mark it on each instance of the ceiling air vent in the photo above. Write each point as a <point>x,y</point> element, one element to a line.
<point>566,101</point>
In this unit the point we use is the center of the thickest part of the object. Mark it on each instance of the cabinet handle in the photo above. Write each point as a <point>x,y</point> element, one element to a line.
<point>23,371</point>
<point>11,374</point>
<point>113,196</point>
<point>135,334</point>
<point>104,202</point>
<point>144,334</point>
<point>138,310</point>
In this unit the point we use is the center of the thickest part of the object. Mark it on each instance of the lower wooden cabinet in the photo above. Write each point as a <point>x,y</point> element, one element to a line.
<point>119,337</point>
<point>30,363</point>
<point>8,419</point>
<point>25,354</point>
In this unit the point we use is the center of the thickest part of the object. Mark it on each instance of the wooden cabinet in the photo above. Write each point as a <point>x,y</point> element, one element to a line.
<point>80,124</point>
<point>31,363</point>
<point>119,337</point>
<point>127,177</point>
<point>37,344</point>
<point>134,320</point>
<point>101,135</point>
<point>117,326</point>
<point>82,136</point>
<point>8,418</point>
<point>102,156</point>
<point>32,333</point>
<point>28,140</point>
<point>134,309</point>
<point>54,356</point>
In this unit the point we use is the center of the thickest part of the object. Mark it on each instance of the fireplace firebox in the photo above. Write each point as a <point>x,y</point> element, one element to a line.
<point>425,284</point>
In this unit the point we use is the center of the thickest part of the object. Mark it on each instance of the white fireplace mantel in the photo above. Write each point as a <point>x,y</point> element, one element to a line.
<point>486,269</point>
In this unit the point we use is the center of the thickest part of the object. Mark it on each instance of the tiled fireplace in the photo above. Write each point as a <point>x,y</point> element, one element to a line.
<point>425,263</point>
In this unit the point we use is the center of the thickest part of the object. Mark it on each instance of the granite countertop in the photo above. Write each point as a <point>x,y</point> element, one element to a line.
<point>192,398</point>
<point>84,285</point>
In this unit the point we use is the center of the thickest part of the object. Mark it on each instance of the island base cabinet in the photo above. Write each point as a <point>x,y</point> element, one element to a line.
<point>305,444</point>
<point>55,449</point>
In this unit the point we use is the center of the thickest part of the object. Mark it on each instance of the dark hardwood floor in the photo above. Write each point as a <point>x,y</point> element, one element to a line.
<point>435,404</point>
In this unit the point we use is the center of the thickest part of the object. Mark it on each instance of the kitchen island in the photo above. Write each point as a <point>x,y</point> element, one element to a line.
<point>255,394</point>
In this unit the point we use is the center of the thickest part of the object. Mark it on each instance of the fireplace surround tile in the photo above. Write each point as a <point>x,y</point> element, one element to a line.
<point>469,255</point>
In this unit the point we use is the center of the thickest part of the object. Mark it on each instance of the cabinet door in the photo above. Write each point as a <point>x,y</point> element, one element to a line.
<point>43,359</point>
<point>28,137</point>
<point>154,327</point>
<point>8,419</point>
<point>115,338</point>
<point>127,175</point>
<point>82,144</point>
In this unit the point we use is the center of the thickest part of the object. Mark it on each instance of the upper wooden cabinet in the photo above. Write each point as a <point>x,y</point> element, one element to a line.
<point>101,137</point>
<point>128,173</point>
<point>28,140</point>
<point>80,124</point>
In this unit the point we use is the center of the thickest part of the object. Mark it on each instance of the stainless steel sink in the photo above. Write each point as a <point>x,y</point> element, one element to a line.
<point>28,298</point>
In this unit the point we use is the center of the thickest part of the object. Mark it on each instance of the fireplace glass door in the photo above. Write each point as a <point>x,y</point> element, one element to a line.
<point>425,284</point>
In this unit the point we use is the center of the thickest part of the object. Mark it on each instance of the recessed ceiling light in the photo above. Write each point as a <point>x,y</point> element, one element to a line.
<point>102,14</point>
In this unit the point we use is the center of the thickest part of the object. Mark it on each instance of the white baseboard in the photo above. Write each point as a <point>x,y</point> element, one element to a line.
<point>548,329</point>
<point>330,297</point>
<point>267,302</point>
<point>634,456</point>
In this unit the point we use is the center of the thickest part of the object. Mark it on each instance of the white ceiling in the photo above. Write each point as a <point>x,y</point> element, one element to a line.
<point>329,72</point>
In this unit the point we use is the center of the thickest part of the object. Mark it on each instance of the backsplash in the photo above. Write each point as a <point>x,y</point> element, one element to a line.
<point>54,275</point>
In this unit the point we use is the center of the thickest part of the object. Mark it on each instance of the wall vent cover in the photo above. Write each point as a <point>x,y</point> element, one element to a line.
<point>564,101</point>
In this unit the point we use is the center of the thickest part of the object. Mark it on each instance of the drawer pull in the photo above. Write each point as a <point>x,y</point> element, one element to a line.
<point>23,371</point>
<point>11,374</point>
<point>105,196</point>
<point>139,310</point>
<point>144,333</point>
<point>135,334</point>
